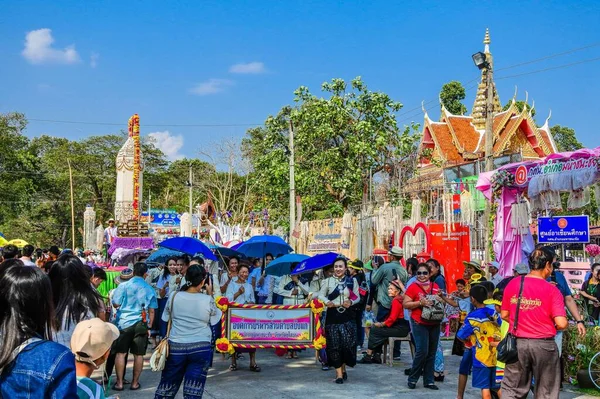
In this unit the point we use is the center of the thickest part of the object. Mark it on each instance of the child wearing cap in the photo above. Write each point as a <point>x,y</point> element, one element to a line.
<point>481,332</point>
<point>90,343</point>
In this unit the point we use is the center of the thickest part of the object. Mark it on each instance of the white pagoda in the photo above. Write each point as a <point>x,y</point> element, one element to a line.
<point>130,173</point>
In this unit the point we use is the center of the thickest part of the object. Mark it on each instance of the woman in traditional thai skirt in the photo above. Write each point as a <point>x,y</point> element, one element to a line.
<point>339,293</point>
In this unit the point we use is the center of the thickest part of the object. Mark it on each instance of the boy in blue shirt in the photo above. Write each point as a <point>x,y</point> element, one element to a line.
<point>481,332</point>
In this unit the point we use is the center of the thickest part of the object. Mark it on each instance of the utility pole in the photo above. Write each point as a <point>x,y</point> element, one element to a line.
<point>489,152</point>
<point>191,186</point>
<point>72,205</point>
<point>292,181</point>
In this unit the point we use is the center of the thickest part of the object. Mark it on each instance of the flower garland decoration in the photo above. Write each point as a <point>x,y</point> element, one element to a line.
<point>317,306</point>
<point>224,346</point>
<point>222,303</point>
<point>319,342</point>
<point>501,179</point>
<point>592,250</point>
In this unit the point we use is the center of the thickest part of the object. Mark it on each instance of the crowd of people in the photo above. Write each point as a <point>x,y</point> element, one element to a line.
<point>54,320</point>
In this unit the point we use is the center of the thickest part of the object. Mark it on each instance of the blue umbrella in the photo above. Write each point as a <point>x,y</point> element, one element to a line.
<point>189,245</point>
<point>281,266</point>
<point>316,262</point>
<point>259,246</point>
<point>161,255</point>
<point>226,252</point>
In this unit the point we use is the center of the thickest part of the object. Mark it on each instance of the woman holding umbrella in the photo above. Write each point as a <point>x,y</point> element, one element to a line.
<point>339,293</point>
<point>293,292</point>
<point>232,273</point>
<point>240,291</point>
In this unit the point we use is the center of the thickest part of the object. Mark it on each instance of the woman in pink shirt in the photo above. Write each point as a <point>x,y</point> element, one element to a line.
<point>541,314</point>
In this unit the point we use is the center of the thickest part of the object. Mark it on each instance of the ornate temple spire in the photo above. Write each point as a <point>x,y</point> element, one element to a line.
<point>478,112</point>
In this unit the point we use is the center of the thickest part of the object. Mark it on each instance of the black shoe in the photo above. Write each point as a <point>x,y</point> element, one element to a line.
<point>439,378</point>
<point>345,376</point>
<point>412,385</point>
<point>432,386</point>
<point>407,371</point>
<point>339,380</point>
<point>366,359</point>
<point>377,358</point>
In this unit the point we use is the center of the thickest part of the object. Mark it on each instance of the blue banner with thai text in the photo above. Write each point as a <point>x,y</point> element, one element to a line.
<point>564,229</point>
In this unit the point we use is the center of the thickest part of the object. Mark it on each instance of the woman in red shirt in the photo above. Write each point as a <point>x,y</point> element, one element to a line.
<point>425,333</point>
<point>393,326</point>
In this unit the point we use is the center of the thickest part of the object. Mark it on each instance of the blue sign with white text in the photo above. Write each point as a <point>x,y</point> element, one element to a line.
<point>564,229</point>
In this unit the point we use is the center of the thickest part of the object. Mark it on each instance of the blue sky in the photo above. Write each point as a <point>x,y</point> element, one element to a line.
<point>234,63</point>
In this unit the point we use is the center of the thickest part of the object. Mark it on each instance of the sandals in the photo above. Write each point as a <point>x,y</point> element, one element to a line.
<point>339,380</point>
<point>233,367</point>
<point>344,376</point>
<point>131,388</point>
<point>255,368</point>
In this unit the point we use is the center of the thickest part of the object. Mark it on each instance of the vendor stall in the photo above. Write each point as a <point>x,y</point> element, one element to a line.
<point>524,190</point>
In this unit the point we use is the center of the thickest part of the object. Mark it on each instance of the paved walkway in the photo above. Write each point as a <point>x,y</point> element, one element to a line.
<point>303,378</point>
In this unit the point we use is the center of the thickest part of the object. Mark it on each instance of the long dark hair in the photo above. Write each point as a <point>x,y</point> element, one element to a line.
<point>74,296</point>
<point>26,307</point>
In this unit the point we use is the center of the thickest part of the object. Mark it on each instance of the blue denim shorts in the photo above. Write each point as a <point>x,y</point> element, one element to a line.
<point>466,363</point>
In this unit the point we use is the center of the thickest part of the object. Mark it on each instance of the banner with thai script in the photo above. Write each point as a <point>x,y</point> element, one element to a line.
<point>293,326</point>
<point>270,326</point>
<point>564,229</point>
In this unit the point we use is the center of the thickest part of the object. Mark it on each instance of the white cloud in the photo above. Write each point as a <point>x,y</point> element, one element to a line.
<point>38,49</point>
<point>94,60</point>
<point>211,86</point>
<point>249,68</point>
<point>169,144</point>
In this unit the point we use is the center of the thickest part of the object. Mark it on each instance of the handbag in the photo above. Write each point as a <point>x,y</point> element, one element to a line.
<point>507,348</point>
<point>161,353</point>
<point>435,312</point>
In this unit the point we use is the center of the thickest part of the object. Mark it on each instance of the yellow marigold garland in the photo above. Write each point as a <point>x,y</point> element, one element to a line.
<point>224,346</point>
<point>317,306</point>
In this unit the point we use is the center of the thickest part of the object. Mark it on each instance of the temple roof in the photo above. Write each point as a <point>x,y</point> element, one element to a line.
<point>461,139</point>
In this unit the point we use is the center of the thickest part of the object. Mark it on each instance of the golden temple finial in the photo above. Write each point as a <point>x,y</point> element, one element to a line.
<point>514,99</point>
<point>526,97</point>
<point>423,107</point>
<point>486,40</point>
<point>532,108</point>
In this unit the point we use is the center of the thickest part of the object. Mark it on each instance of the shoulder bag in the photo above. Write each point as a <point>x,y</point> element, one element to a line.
<point>507,348</point>
<point>435,312</point>
<point>160,354</point>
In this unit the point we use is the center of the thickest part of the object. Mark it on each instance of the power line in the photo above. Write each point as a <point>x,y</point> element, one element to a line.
<point>549,57</point>
<point>145,125</point>
<point>549,68</point>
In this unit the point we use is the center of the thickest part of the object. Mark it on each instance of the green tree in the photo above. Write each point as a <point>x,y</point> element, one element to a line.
<point>565,138</point>
<point>339,142</point>
<point>451,96</point>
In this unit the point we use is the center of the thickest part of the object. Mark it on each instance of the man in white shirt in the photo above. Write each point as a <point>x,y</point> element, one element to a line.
<point>110,233</point>
<point>495,277</point>
<point>27,253</point>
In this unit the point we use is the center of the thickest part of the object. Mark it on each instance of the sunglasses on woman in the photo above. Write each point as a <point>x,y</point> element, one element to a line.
<point>422,273</point>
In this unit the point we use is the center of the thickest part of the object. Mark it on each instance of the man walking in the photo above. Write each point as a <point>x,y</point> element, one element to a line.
<point>381,278</point>
<point>27,254</point>
<point>135,301</point>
